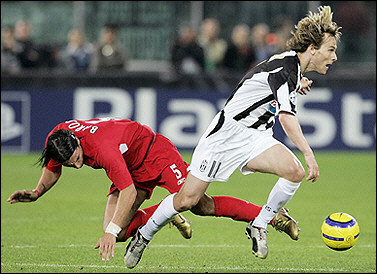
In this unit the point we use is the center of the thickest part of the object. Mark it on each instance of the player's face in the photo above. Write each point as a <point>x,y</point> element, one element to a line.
<point>325,56</point>
<point>77,159</point>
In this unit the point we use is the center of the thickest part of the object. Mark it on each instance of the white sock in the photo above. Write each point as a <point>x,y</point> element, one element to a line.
<point>279,196</point>
<point>164,213</point>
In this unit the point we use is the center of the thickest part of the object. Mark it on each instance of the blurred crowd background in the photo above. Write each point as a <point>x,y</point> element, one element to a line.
<point>172,64</point>
<point>182,37</point>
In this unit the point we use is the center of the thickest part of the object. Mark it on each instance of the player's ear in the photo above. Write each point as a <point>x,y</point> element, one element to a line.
<point>78,140</point>
<point>312,49</point>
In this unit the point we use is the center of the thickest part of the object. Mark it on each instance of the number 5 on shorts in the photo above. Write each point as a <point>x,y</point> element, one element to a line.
<point>177,172</point>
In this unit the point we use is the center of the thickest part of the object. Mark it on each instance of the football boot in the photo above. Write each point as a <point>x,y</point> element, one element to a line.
<point>259,237</point>
<point>183,225</point>
<point>285,223</point>
<point>135,249</point>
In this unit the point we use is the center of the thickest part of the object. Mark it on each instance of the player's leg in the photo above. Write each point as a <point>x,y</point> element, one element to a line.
<point>220,206</point>
<point>186,198</point>
<point>244,211</point>
<point>140,219</point>
<point>278,160</point>
<point>226,206</point>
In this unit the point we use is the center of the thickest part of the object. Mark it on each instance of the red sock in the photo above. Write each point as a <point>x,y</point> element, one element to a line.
<point>141,217</point>
<point>225,206</point>
<point>237,209</point>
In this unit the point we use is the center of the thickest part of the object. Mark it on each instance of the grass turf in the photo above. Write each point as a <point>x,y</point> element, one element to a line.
<point>58,232</point>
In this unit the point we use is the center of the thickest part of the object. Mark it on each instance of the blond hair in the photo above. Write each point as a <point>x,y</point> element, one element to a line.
<point>312,28</point>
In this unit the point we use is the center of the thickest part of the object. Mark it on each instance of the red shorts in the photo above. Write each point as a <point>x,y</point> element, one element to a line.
<point>164,164</point>
<point>172,179</point>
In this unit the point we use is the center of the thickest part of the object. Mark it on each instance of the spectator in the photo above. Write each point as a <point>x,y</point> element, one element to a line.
<point>214,47</point>
<point>9,60</point>
<point>262,50</point>
<point>187,56</point>
<point>30,54</point>
<point>27,51</point>
<point>78,52</point>
<point>240,55</point>
<point>109,54</point>
<point>282,28</point>
<point>355,19</point>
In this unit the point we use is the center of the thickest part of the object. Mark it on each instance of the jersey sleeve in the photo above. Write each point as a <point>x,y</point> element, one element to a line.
<point>283,83</point>
<point>54,166</point>
<point>116,168</point>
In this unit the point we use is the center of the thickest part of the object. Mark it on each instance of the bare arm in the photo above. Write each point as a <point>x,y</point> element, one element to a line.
<point>293,130</point>
<point>123,214</point>
<point>123,211</point>
<point>47,180</point>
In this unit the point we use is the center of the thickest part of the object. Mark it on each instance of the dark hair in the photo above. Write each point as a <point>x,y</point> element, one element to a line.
<point>60,146</point>
<point>111,26</point>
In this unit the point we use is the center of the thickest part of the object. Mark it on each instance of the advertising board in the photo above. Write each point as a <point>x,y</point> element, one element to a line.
<point>330,119</point>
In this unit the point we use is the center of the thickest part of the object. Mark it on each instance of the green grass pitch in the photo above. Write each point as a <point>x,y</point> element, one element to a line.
<point>58,232</point>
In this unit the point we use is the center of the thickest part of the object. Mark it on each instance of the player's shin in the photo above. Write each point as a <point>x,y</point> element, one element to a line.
<point>280,195</point>
<point>140,218</point>
<point>162,216</point>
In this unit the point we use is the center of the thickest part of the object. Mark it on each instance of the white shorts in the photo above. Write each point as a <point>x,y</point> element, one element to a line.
<point>217,156</point>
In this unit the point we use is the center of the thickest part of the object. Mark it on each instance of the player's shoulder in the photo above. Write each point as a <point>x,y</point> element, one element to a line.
<point>286,58</point>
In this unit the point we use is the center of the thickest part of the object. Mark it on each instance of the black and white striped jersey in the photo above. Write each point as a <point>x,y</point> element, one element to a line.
<point>265,90</point>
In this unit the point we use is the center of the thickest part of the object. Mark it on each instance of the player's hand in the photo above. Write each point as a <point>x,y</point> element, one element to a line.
<point>106,245</point>
<point>305,85</point>
<point>24,196</point>
<point>313,169</point>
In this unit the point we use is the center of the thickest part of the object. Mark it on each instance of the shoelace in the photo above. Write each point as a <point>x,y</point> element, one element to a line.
<point>140,241</point>
<point>180,228</point>
<point>261,232</point>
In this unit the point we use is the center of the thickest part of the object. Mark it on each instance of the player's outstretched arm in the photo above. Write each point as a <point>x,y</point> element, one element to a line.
<point>47,180</point>
<point>293,130</point>
<point>121,219</point>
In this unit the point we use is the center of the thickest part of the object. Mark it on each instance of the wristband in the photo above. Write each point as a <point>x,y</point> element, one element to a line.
<point>38,193</point>
<point>113,229</point>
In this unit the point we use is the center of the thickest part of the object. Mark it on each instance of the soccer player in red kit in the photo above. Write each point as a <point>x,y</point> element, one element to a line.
<point>136,160</point>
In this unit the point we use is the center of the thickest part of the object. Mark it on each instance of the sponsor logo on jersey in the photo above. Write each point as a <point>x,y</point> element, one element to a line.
<point>272,106</point>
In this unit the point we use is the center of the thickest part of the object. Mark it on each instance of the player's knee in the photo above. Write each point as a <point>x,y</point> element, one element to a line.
<point>183,203</point>
<point>296,173</point>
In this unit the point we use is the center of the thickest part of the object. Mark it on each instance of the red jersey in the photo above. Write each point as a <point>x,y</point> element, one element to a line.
<point>120,147</point>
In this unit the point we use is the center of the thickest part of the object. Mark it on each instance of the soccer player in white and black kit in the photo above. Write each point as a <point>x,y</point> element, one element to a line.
<point>241,134</point>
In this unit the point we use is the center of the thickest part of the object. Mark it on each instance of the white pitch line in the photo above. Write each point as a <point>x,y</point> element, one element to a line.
<point>190,267</point>
<point>173,246</point>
